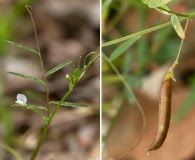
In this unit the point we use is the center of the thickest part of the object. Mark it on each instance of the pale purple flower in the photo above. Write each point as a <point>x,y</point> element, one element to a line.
<point>21,99</point>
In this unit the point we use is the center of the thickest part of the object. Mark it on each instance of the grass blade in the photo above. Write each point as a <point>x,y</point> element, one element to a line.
<point>58,67</point>
<point>22,46</point>
<point>69,104</point>
<point>27,77</point>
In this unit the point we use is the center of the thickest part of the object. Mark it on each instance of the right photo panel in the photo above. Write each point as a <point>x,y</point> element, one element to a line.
<point>148,79</point>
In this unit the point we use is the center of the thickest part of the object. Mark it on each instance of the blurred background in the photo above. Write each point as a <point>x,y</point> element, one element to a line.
<point>66,30</point>
<point>143,66</point>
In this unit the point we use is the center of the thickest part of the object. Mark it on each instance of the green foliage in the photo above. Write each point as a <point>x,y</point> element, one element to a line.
<point>122,48</point>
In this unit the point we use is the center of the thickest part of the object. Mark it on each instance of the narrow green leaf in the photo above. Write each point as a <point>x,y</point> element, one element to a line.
<point>27,77</point>
<point>122,48</point>
<point>177,26</point>
<point>58,67</point>
<point>69,104</point>
<point>157,3</point>
<point>29,106</point>
<point>22,46</point>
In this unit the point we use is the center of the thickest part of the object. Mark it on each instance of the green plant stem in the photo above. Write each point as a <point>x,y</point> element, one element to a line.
<point>134,98</point>
<point>45,130</point>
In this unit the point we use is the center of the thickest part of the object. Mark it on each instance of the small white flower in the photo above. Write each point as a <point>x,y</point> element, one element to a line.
<point>21,99</point>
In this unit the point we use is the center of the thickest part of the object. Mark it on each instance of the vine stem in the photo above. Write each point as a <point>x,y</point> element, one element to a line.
<point>41,61</point>
<point>178,14</point>
<point>176,62</point>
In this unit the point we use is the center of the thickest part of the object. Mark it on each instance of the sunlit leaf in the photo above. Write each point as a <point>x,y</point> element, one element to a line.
<point>58,67</point>
<point>145,1</point>
<point>27,77</point>
<point>22,46</point>
<point>157,3</point>
<point>122,48</point>
<point>69,104</point>
<point>177,26</point>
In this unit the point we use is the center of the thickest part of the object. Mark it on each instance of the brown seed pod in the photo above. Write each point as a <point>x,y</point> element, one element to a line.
<point>164,111</point>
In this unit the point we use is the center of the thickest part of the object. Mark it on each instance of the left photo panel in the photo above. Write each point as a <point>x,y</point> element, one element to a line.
<point>50,80</point>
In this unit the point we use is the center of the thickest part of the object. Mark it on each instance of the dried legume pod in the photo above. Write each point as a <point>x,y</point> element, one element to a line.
<point>164,111</point>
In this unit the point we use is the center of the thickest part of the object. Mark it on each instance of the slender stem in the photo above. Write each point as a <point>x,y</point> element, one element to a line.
<point>11,150</point>
<point>41,61</point>
<point>43,134</point>
<point>45,130</point>
<point>180,48</point>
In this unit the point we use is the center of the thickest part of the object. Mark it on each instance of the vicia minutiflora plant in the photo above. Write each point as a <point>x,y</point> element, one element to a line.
<point>45,112</point>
